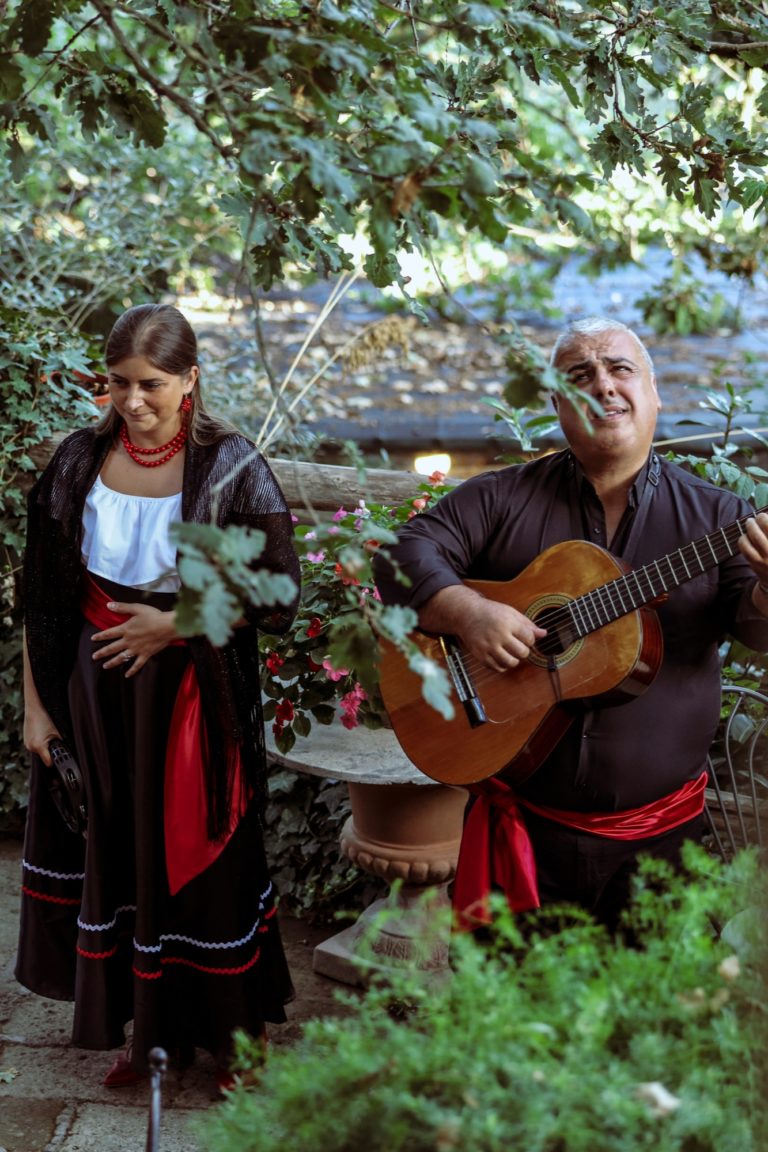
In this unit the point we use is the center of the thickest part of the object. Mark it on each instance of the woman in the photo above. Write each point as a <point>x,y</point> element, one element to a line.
<point>164,913</point>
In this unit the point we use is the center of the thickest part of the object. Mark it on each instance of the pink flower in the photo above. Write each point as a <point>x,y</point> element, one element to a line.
<point>342,512</point>
<point>334,673</point>
<point>350,704</point>
<point>436,478</point>
<point>315,557</point>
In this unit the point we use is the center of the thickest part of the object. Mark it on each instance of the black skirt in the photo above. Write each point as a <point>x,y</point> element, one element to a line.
<point>98,922</point>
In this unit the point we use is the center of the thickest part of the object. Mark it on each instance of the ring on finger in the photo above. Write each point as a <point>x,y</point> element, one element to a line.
<point>125,655</point>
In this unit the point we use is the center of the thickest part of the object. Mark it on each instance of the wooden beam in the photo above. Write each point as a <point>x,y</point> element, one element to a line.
<point>312,487</point>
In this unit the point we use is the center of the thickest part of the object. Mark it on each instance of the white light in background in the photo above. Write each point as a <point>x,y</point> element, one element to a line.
<point>438,462</point>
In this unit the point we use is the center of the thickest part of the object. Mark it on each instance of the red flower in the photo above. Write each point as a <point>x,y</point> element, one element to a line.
<point>274,662</point>
<point>315,627</point>
<point>284,712</point>
<point>283,716</point>
<point>344,575</point>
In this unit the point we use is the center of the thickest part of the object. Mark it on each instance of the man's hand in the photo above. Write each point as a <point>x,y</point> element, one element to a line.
<point>754,547</point>
<point>495,634</point>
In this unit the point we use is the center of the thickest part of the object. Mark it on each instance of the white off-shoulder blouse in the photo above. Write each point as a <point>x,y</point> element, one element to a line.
<point>127,539</point>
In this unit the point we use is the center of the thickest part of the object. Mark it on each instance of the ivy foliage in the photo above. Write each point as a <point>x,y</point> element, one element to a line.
<point>336,118</point>
<point>40,393</point>
<point>302,823</point>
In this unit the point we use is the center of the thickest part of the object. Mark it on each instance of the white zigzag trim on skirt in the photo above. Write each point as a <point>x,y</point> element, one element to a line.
<point>215,944</point>
<point>53,875</point>
<point>109,924</point>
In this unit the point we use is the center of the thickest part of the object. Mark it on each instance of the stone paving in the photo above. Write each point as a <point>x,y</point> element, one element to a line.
<point>51,1096</point>
<point>430,393</point>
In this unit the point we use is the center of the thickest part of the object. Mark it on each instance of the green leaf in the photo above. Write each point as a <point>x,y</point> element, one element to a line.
<point>195,572</point>
<point>435,685</point>
<point>481,176</point>
<point>19,159</point>
<point>33,24</point>
<point>11,78</point>
<point>705,195</point>
<point>302,725</point>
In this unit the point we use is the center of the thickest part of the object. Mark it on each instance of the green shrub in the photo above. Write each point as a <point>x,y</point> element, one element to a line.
<point>567,1041</point>
<point>682,305</point>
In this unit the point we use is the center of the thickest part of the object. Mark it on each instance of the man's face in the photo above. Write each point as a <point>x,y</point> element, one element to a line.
<point>612,369</point>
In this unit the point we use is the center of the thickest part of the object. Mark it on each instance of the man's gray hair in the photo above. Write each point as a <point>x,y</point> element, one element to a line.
<point>595,326</point>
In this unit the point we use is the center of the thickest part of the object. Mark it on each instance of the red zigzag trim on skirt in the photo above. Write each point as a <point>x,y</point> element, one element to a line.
<point>50,899</point>
<point>199,967</point>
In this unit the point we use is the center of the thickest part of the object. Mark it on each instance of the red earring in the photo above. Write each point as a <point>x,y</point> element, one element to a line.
<point>186,404</point>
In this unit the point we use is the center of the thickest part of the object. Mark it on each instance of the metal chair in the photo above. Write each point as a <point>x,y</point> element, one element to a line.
<point>736,807</point>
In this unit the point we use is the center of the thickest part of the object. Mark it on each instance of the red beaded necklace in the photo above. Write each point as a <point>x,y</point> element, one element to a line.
<point>170,449</point>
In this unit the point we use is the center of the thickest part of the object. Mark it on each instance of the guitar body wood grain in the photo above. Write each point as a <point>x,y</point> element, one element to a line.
<point>529,708</point>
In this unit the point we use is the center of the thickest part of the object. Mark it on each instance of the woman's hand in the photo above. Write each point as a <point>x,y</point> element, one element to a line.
<point>39,730</point>
<point>130,643</point>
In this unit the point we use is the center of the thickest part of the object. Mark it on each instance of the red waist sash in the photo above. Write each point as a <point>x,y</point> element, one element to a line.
<point>188,850</point>
<point>499,852</point>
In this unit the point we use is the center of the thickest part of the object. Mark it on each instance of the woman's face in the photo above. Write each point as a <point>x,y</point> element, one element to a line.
<point>148,399</point>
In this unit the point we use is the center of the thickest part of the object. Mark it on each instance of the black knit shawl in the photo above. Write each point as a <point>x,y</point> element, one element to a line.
<point>228,676</point>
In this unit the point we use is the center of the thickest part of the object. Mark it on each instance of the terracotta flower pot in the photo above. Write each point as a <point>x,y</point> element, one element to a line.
<point>405,829</point>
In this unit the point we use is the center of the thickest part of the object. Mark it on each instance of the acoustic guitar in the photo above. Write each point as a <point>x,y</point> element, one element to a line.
<point>603,646</point>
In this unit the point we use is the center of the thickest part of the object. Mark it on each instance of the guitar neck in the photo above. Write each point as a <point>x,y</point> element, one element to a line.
<point>641,586</point>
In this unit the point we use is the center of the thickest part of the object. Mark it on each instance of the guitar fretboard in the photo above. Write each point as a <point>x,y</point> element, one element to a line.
<point>602,605</point>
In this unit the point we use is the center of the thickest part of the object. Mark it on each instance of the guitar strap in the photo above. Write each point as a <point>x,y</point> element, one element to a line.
<point>641,515</point>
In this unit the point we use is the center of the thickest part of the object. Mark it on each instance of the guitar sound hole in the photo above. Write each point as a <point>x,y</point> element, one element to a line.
<point>560,632</point>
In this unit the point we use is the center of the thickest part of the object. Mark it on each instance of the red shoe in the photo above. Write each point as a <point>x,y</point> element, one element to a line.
<point>122,1074</point>
<point>225,1081</point>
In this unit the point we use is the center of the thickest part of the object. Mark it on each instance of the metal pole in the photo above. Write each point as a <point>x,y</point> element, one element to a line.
<point>158,1063</point>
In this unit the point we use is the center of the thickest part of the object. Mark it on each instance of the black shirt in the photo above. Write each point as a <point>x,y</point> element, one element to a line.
<point>492,526</point>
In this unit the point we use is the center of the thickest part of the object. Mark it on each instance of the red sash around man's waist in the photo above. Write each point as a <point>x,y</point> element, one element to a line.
<point>188,850</point>
<point>498,853</point>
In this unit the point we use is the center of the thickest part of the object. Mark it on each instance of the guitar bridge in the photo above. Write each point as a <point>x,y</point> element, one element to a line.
<point>462,682</point>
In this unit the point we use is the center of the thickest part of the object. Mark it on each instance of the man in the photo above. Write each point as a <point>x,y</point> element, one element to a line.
<point>621,780</point>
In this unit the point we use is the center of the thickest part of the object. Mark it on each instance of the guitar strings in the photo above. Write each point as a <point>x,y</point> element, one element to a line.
<point>592,603</point>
